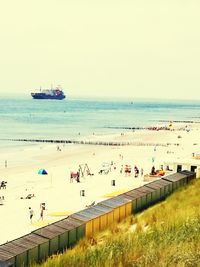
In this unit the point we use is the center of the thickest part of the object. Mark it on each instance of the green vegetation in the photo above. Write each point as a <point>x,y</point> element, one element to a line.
<point>167,234</point>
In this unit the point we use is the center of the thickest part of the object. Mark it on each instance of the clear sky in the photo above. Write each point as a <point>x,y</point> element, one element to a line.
<point>136,48</point>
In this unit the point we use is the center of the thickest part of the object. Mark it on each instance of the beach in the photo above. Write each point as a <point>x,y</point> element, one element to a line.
<point>62,196</point>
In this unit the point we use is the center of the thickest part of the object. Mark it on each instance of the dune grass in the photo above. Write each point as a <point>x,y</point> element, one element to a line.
<point>167,234</point>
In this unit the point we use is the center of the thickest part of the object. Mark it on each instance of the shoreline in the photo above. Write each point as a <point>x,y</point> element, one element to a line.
<point>111,139</point>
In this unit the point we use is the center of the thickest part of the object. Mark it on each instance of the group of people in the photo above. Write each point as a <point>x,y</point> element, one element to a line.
<point>31,212</point>
<point>127,169</point>
<point>159,172</point>
<point>3,184</point>
<point>81,172</point>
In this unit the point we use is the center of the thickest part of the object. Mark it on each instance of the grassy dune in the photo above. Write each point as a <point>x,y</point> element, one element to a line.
<point>167,234</point>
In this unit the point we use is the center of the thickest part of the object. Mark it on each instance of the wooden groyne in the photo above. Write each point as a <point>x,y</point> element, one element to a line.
<point>87,142</point>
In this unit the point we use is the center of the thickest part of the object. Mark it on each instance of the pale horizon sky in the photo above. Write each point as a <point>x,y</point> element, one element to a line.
<point>101,48</point>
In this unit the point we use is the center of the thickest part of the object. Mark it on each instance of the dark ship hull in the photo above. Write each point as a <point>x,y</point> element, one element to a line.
<point>53,93</point>
<point>46,96</point>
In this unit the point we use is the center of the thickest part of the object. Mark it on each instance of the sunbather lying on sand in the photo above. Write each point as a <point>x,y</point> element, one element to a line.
<point>92,204</point>
<point>29,196</point>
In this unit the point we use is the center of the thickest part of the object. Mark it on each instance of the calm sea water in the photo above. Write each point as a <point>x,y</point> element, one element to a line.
<point>29,118</point>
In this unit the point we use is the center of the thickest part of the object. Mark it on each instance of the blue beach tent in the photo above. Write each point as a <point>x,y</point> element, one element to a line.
<point>42,171</point>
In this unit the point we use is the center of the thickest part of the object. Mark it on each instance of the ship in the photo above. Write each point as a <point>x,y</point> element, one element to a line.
<point>53,93</point>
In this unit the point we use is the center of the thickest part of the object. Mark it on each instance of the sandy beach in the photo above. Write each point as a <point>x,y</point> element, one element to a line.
<point>19,167</point>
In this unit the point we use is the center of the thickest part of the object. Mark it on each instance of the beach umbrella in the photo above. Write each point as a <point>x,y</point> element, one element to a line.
<point>42,171</point>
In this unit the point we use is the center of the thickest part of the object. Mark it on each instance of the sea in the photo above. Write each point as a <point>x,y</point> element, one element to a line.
<point>76,118</point>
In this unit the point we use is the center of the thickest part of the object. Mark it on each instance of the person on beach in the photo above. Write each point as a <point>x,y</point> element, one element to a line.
<point>29,196</point>
<point>121,170</point>
<point>3,184</point>
<point>1,202</point>
<point>127,170</point>
<point>89,206</point>
<point>153,172</point>
<point>31,213</point>
<point>114,166</point>
<point>42,208</point>
<point>58,148</point>
<point>78,176</point>
<point>136,170</point>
